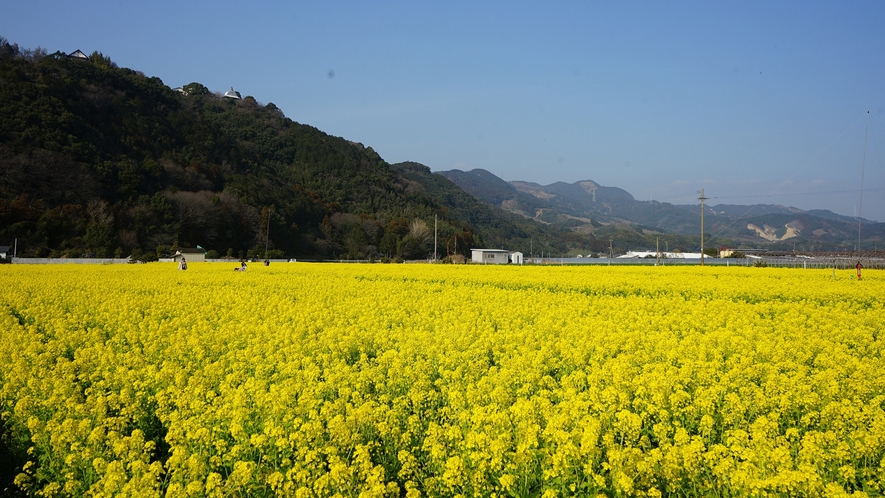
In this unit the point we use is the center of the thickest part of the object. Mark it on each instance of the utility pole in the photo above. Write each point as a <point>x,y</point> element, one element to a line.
<point>658,250</point>
<point>702,199</point>
<point>435,223</point>
<point>267,236</point>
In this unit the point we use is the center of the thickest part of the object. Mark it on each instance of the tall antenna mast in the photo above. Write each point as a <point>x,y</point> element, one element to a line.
<point>862,167</point>
<point>702,199</point>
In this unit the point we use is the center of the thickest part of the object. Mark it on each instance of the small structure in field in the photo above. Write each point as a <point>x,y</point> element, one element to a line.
<point>190,254</point>
<point>495,256</point>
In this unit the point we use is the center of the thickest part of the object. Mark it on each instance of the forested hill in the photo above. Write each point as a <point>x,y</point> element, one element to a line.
<point>104,160</point>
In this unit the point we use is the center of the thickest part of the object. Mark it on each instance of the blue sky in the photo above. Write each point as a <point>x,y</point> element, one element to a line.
<point>751,101</point>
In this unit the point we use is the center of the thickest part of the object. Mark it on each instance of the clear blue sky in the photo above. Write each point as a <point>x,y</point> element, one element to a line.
<point>743,99</point>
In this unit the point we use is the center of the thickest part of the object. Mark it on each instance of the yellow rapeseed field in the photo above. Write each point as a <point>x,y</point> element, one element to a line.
<point>438,380</point>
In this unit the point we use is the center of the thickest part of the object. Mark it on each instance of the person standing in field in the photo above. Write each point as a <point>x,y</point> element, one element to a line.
<point>859,266</point>
<point>182,265</point>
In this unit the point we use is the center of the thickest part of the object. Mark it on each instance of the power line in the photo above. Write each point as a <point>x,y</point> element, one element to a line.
<point>690,195</point>
<point>784,194</point>
<point>850,191</point>
<point>791,176</point>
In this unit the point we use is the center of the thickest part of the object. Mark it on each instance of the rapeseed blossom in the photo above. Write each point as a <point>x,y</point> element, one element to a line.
<point>421,380</point>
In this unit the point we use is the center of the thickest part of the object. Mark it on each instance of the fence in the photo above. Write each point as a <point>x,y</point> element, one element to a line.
<point>57,261</point>
<point>838,262</point>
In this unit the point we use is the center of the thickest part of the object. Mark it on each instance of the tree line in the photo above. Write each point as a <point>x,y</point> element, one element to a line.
<point>101,160</point>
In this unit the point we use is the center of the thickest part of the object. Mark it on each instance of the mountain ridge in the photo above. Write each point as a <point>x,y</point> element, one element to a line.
<point>564,204</point>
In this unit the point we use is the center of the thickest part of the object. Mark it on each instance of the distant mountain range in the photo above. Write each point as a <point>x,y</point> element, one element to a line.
<point>587,206</point>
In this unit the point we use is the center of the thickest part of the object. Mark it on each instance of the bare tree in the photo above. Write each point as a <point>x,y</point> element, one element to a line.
<point>419,230</point>
<point>98,211</point>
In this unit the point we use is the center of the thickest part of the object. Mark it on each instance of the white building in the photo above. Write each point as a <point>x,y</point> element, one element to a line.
<point>666,255</point>
<point>490,256</point>
<point>232,94</point>
<point>495,256</point>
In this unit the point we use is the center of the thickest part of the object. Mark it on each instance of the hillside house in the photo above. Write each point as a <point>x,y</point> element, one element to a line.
<point>78,54</point>
<point>232,94</point>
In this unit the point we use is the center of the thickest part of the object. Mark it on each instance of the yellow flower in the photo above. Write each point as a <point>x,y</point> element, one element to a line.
<point>441,380</point>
